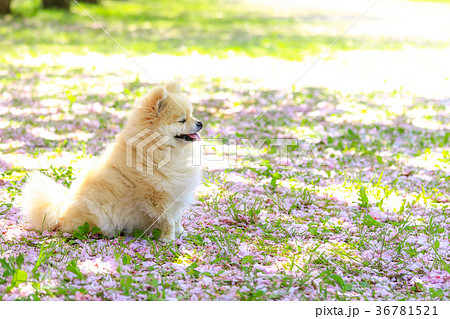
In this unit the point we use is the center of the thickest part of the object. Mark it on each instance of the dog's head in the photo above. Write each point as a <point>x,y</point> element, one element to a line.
<point>169,112</point>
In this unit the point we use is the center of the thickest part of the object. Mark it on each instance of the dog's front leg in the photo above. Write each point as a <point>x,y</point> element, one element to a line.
<point>167,226</point>
<point>170,224</point>
<point>168,220</point>
<point>179,230</point>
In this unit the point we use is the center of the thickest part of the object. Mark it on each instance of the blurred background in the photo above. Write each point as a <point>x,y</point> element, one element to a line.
<point>260,40</point>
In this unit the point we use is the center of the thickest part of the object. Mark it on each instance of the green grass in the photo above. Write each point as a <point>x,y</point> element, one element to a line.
<point>182,27</point>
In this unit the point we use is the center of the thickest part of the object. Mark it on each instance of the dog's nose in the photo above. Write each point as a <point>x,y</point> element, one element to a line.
<point>199,124</point>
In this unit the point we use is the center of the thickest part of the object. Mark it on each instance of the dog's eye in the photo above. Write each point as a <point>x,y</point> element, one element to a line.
<point>182,121</point>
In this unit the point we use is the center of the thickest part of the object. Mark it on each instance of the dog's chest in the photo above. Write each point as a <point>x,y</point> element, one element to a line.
<point>182,181</point>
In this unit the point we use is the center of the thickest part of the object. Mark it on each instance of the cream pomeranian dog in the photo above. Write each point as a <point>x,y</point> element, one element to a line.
<point>144,180</point>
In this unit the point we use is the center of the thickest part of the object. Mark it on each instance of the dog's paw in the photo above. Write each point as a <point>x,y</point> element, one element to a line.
<point>167,239</point>
<point>180,231</point>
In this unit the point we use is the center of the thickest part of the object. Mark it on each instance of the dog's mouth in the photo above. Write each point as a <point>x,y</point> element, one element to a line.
<point>189,137</point>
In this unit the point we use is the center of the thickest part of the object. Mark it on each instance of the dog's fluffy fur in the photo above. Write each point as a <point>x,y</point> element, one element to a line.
<point>115,197</point>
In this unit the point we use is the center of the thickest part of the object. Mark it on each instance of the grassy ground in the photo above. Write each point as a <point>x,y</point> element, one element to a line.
<point>358,211</point>
<point>208,27</point>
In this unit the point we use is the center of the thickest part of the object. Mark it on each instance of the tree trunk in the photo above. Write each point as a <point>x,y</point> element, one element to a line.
<point>5,6</point>
<point>62,4</point>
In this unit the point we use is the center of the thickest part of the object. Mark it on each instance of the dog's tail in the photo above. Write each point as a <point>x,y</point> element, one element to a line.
<point>42,199</point>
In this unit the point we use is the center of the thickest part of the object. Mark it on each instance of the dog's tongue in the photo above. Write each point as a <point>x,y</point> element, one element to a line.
<point>195,136</point>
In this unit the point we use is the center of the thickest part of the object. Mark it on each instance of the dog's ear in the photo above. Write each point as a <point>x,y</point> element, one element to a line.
<point>155,102</point>
<point>173,87</point>
<point>162,103</point>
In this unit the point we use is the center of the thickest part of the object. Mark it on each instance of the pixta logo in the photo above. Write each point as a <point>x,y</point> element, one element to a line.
<point>141,148</point>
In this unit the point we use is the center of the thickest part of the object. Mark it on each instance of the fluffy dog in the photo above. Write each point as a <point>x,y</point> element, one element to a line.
<point>129,187</point>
